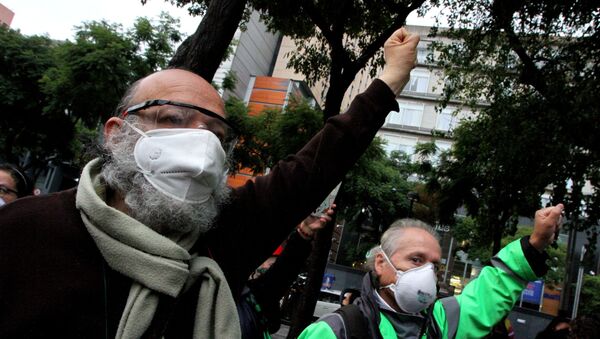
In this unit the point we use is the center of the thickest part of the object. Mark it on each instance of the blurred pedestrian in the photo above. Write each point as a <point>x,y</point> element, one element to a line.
<point>348,296</point>
<point>14,184</point>
<point>585,326</point>
<point>502,330</point>
<point>558,328</point>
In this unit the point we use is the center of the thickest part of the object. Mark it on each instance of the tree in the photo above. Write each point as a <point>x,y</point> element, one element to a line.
<point>23,60</point>
<point>203,51</point>
<point>535,63</point>
<point>105,59</point>
<point>538,60</point>
<point>373,195</point>
<point>589,299</point>
<point>273,134</point>
<point>344,37</point>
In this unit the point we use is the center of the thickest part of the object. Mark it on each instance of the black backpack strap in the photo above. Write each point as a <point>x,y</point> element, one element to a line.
<point>452,310</point>
<point>354,322</point>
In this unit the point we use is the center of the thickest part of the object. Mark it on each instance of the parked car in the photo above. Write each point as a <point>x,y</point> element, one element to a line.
<point>327,302</point>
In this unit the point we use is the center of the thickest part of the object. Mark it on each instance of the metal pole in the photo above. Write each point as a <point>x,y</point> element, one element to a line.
<point>448,259</point>
<point>565,297</point>
<point>542,296</point>
<point>465,274</point>
<point>579,283</point>
<point>521,299</point>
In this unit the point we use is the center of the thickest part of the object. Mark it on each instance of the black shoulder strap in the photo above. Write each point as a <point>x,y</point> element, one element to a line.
<point>452,310</point>
<point>354,322</point>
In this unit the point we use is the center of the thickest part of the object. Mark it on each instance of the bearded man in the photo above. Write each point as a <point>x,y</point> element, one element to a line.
<point>152,243</point>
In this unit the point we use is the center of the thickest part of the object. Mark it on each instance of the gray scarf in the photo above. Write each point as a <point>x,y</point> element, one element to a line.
<point>156,264</point>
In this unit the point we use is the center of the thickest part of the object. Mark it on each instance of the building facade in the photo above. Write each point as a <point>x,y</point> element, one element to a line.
<point>6,15</point>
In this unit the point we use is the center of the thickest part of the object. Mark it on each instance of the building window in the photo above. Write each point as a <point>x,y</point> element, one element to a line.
<point>422,54</point>
<point>446,121</point>
<point>442,146</point>
<point>409,115</point>
<point>419,81</point>
<point>398,143</point>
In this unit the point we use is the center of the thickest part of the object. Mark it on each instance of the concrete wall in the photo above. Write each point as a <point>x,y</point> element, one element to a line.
<point>254,55</point>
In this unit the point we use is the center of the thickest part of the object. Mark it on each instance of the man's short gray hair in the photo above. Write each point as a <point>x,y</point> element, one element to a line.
<point>127,99</point>
<point>389,239</point>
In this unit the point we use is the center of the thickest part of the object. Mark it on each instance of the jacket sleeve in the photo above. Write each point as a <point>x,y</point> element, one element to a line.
<point>318,330</point>
<point>488,298</point>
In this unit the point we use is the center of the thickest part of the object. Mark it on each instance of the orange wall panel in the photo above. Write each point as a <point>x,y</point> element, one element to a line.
<point>255,109</point>
<point>279,84</point>
<point>267,96</point>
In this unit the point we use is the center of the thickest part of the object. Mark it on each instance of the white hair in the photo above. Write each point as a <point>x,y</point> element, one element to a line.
<point>389,239</point>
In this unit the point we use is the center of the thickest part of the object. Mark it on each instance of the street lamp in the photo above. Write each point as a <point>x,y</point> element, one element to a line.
<point>412,197</point>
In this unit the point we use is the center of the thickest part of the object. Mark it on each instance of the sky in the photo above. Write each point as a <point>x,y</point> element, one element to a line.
<point>57,18</point>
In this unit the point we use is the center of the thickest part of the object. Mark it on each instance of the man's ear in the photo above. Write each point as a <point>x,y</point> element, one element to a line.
<point>379,263</point>
<point>112,126</point>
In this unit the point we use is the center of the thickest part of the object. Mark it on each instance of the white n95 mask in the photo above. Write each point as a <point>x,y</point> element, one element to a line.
<point>186,164</point>
<point>415,289</point>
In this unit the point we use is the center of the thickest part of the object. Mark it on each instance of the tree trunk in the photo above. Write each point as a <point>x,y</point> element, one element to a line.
<point>498,226</point>
<point>338,84</point>
<point>202,52</point>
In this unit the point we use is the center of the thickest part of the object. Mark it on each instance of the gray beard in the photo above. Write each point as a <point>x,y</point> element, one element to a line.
<point>148,205</point>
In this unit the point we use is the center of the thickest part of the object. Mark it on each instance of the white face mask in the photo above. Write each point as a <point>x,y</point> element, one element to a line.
<point>415,289</point>
<point>186,164</point>
<point>2,202</point>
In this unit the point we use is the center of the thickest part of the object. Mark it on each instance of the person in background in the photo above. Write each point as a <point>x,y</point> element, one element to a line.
<point>152,243</point>
<point>585,326</point>
<point>348,296</point>
<point>502,330</point>
<point>14,184</point>
<point>558,328</point>
<point>398,297</point>
<point>259,306</point>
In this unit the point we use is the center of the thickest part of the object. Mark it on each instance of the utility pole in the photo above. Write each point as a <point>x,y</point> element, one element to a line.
<point>579,283</point>
<point>412,197</point>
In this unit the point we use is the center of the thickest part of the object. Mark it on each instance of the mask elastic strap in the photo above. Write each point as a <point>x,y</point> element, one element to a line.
<point>389,262</point>
<point>387,259</point>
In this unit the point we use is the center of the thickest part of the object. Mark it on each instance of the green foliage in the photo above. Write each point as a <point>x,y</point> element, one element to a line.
<point>557,264</point>
<point>273,134</point>
<point>349,29</point>
<point>229,81</point>
<point>589,303</point>
<point>90,74</point>
<point>199,8</point>
<point>23,61</point>
<point>468,235</point>
<point>374,194</point>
